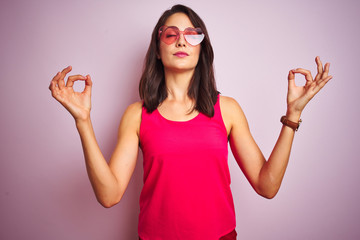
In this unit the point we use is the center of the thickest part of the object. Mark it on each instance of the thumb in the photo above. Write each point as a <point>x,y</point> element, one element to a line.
<point>291,79</point>
<point>88,84</point>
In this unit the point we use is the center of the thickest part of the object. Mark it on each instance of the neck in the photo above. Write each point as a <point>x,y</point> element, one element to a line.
<point>177,84</point>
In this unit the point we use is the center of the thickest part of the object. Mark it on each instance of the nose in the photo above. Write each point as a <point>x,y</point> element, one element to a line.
<point>181,42</point>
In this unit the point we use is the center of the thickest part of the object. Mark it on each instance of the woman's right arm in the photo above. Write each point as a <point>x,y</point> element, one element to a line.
<point>109,181</point>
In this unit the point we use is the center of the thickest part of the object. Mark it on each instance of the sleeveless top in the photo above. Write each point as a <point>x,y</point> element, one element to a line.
<point>186,192</point>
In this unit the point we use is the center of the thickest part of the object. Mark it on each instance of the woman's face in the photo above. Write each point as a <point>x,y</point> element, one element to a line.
<point>179,56</point>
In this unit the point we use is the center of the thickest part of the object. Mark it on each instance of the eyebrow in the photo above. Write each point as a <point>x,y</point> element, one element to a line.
<point>184,28</point>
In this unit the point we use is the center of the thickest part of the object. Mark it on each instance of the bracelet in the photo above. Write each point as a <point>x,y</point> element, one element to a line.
<point>293,125</point>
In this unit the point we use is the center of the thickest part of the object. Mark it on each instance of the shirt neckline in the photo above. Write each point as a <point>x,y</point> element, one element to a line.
<point>177,121</point>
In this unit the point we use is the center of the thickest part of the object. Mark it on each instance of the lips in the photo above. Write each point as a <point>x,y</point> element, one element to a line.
<point>181,54</point>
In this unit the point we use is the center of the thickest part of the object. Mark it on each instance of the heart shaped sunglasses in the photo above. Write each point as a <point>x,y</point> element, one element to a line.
<point>170,34</point>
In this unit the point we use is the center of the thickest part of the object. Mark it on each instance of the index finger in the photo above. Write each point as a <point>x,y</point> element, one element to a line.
<point>304,72</point>
<point>72,79</point>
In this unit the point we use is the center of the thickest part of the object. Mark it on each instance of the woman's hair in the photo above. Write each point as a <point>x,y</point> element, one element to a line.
<point>202,88</point>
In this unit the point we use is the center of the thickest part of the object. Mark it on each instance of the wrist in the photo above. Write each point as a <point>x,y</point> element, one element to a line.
<point>82,122</point>
<point>290,123</point>
<point>293,116</point>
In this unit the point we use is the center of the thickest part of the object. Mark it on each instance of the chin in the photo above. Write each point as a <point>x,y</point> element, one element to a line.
<point>180,69</point>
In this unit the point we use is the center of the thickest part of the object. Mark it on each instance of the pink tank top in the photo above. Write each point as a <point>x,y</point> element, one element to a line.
<point>186,192</point>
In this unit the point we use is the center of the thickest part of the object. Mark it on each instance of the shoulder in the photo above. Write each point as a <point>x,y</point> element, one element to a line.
<point>227,100</point>
<point>131,118</point>
<point>229,106</point>
<point>134,108</point>
<point>231,112</point>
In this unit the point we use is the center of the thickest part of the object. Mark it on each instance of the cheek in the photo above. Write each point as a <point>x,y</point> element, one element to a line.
<point>163,50</point>
<point>197,52</point>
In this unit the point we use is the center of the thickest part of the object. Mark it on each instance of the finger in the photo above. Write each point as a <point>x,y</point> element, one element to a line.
<point>291,78</point>
<point>304,72</point>
<point>53,86</point>
<point>88,84</point>
<point>321,83</point>
<point>73,78</point>
<point>319,68</point>
<point>326,70</point>
<point>54,90</point>
<point>328,78</point>
<point>61,81</point>
<point>54,80</point>
<point>65,71</point>
<point>56,77</point>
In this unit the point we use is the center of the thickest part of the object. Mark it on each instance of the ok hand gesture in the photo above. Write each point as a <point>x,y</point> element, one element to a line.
<point>77,103</point>
<point>299,96</point>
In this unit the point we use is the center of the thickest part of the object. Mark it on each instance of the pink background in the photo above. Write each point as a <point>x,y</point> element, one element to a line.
<point>44,190</point>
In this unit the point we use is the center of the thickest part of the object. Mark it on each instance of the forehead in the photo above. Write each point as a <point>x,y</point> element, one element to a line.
<point>180,20</point>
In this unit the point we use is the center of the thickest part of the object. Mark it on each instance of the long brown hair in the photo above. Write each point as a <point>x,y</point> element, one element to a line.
<point>202,87</point>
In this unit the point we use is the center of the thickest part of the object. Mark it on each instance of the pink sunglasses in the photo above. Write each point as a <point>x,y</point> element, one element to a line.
<point>169,35</point>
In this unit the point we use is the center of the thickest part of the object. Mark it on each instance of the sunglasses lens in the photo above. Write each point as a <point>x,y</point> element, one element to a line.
<point>169,36</point>
<point>194,39</point>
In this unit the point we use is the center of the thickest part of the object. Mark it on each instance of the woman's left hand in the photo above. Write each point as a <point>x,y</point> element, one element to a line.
<point>299,96</point>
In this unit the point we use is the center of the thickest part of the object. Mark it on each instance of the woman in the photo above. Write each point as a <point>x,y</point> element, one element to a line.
<point>183,126</point>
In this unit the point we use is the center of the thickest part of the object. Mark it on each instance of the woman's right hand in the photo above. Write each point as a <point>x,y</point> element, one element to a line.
<point>77,103</point>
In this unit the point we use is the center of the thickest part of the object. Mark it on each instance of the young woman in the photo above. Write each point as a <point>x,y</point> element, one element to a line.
<point>183,127</point>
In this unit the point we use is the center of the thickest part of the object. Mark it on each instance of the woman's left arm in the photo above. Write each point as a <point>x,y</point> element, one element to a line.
<point>266,176</point>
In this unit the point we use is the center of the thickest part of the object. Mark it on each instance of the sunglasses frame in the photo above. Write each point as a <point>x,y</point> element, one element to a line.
<point>162,29</point>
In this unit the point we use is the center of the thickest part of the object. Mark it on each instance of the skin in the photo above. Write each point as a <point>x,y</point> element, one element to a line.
<point>110,181</point>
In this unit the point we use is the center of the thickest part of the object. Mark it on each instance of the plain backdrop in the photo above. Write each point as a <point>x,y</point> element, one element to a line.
<point>44,189</point>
